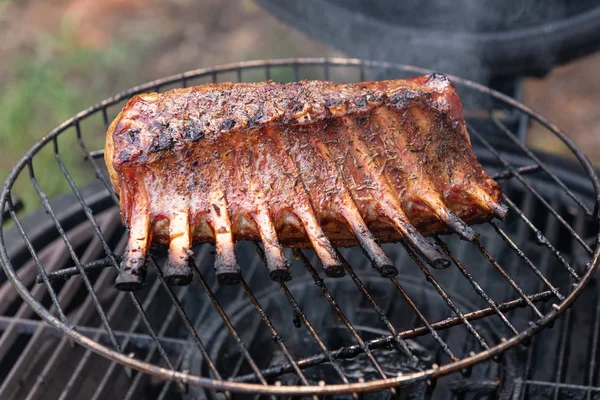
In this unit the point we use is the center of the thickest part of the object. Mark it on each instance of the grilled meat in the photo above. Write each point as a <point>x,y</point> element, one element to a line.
<point>304,164</point>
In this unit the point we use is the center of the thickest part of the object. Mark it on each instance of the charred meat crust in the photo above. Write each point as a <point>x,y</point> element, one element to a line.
<point>305,164</point>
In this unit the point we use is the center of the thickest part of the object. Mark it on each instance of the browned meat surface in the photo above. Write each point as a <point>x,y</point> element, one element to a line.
<point>304,164</point>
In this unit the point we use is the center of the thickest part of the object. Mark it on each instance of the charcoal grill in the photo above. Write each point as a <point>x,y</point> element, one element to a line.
<point>224,339</point>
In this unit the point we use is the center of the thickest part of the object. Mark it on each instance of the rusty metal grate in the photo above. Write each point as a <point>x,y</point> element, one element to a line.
<point>541,283</point>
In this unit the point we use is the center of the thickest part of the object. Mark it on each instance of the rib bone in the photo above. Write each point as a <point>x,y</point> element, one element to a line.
<point>306,164</point>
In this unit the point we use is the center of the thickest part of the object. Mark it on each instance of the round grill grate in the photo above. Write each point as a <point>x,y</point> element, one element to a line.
<point>358,333</point>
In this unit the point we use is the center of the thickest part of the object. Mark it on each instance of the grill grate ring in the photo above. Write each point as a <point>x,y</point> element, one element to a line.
<point>91,339</point>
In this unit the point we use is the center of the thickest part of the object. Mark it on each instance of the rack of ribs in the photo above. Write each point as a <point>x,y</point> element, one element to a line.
<point>305,164</point>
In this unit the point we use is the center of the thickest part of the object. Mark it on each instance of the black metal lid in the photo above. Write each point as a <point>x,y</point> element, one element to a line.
<point>469,38</point>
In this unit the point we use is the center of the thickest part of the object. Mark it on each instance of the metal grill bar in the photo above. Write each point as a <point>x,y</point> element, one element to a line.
<point>12,331</point>
<point>398,341</point>
<point>431,279</point>
<point>185,319</point>
<point>161,332</point>
<point>105,117</point>
<point>227,323</point>
<point>142,340</point>
<point>569,388</point>
<point>29,326</point>
<point>99,174</point>
<point>505,173</point>
<point>313,333</point>
<point>134,325</point>
<point>354,350</point>
<point>362,73</point>
<point>167,385</point>
<point>506,277</point>
<point>562,349</point>
<point>520,389</point>
<point>276,336</point>
<point>202,314</point>
<point>540,164</point>
<point>82,315</point>
<point>427,328</point>
<point>590,378</point>
<point>541,238</point>
<point>523,237</point>
<point>85,278</point>
<point>522,255</point>
<point>39,265</point>
<point>16,204</point>
<point>90,217</point>
<point>253,329</point>
<point>323,287</point>
<point>297,311</point>
<point>66,273</point>
<point>176,302</point>
<point>475,285</point>
<point>117,303</point>
<point>206,307</point>
<point>521,392</point>
<point>525,183</point>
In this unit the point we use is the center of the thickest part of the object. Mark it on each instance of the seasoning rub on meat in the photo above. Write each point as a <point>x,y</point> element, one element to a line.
<point>305,164</point>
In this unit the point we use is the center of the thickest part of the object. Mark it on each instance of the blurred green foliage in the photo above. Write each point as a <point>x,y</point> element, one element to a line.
<point>48,86</point>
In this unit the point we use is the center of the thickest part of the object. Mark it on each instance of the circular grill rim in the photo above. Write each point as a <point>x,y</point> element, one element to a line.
<point>225,385</point>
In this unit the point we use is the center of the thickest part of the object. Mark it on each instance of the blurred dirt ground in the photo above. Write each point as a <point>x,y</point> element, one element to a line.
<point>174,36</point>
<point>82,51</point>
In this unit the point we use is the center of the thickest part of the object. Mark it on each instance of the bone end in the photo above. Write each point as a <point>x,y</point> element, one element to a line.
<point>428,250</point>
<point>133,266</point>
<point>226,266</point>
<point>320,243</point>
<point>459,227</point>
<point>500,210</point>
<point>432,254</point>
<point>368,243</point>
<point>132,274</point>
<point>484,200</point>
<point>415,240</point>
<point>178,272</point>
<point>277,265</point>
<point>385,267</point>
<point>439,263</point>
<point>280,275</point>
<point>334,270</point>
<point>228,275</point>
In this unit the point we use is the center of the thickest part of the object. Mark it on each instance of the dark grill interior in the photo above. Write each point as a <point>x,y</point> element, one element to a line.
<point>356,329</point>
